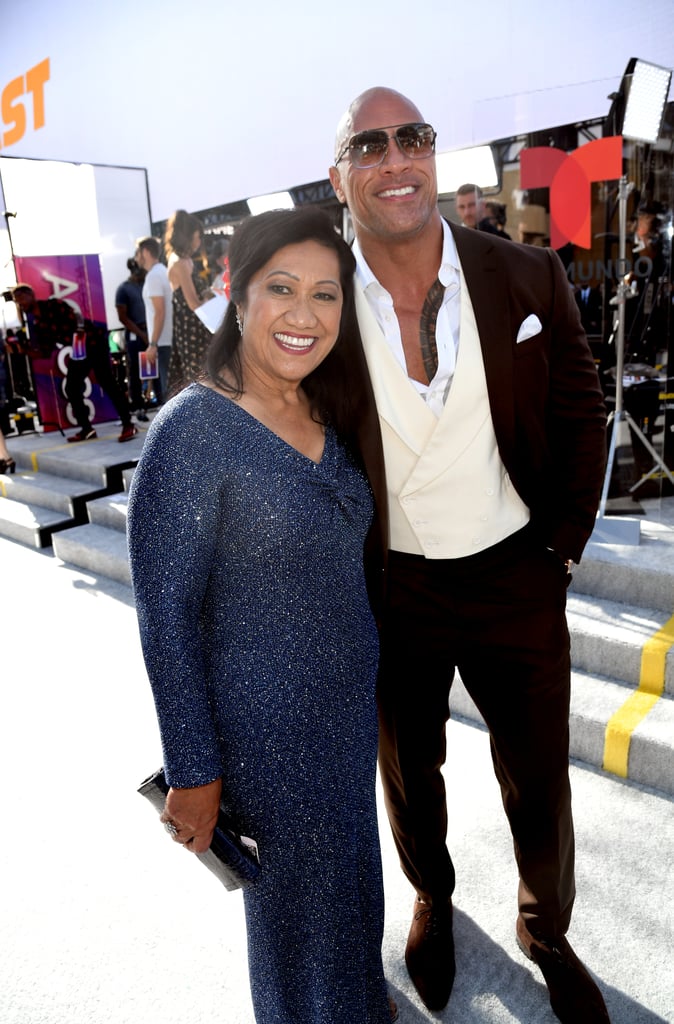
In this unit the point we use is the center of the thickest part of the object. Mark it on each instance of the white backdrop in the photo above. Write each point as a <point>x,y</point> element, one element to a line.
<point>221,100</point>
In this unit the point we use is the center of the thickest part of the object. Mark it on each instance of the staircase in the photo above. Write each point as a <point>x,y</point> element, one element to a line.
<point>100,544</point>
<point>73,499</point>
<point>620,599</point>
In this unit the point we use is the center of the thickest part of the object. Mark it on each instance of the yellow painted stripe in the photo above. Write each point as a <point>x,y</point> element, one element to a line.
<point>653,658</point>
<point>622,724</point>
<point>33,461</point>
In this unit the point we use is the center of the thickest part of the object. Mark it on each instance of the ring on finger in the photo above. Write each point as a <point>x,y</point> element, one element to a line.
<point>171,828</point>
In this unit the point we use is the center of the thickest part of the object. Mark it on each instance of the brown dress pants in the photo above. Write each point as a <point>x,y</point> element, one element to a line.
<point>499,617</point>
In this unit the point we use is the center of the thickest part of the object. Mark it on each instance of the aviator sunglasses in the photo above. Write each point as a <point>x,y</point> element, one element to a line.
<point>369,148</point>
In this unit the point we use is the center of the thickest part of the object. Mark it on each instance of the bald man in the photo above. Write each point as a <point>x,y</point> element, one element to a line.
<point>493,433</point>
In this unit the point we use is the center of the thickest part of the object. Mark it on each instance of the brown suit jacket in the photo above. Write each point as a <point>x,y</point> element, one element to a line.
<point>546,401</point>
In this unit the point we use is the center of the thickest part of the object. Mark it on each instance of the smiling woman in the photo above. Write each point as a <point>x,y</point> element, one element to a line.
<point>289,350</point>
<point>290,321</point>
<point>259,641</point>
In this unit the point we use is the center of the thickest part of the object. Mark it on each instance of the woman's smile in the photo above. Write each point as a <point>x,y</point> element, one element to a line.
<point>295,342</point>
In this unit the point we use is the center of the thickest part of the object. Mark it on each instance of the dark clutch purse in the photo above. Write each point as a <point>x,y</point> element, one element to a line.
<point>232,858</point>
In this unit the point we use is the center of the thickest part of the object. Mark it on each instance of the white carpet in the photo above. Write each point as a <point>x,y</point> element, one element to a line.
<point>104,921</point>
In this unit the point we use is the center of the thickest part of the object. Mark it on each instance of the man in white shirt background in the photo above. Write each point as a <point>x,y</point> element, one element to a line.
<point>158,309</point>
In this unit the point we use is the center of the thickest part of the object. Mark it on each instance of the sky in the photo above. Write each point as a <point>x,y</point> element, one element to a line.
<point>220,101</point>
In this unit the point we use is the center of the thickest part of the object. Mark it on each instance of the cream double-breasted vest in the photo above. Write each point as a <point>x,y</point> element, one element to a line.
<point>448,491</point>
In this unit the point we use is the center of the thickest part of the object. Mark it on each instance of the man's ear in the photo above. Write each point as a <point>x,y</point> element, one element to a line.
<point>336,182</point>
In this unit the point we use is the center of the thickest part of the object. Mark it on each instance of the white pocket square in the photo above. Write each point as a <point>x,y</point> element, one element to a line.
<point>529,328</point>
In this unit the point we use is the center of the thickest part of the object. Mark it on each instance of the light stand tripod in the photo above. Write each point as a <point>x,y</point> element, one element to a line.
<point>620,416</point>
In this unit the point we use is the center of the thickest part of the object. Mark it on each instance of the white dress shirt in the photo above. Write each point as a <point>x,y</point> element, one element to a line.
<point>447,326</point>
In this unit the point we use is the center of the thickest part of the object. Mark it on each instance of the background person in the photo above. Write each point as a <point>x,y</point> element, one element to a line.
<point>493,429</point>
<point>647,318</point>
<point>51,324</point>
<point>191,338</point>
<point>219,265</point>
<point>47,325</point>
<point>246,544</point>
<point>589,301</point>
<point>495,216</point>
<point>97,358</point>
<point>7,463</point>
<point>471,209</point>
<point>131,313</point>
<point>158,304</point>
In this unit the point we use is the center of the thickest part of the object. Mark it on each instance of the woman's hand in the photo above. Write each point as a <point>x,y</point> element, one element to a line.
<point>191,815</point>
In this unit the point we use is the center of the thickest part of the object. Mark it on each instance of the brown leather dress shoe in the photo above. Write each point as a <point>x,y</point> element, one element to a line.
<point>574,995</point>
<point>430,952</point>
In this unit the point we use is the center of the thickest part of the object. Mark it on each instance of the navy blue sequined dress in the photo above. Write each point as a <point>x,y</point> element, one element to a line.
<point>261,649</point>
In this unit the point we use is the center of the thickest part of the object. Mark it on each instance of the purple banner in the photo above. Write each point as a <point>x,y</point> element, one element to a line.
<point>76,280</point>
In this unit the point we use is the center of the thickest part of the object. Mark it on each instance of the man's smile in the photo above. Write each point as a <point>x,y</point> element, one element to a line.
<point>400,190</point>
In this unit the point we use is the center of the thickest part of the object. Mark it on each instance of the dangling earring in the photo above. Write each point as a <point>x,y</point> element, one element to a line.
<point>239,322</point>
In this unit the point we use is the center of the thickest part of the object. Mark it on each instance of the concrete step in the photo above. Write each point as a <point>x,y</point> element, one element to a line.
<point>607,639</point>
<point>96,549</point>
<point>651,749</point>
<point>641,574</point>
<point>109,511</point>
<point>61,494</point>
<point>100,462</point>
<point>81,464</point>
<point>30,524</point>
<point>593,701</point>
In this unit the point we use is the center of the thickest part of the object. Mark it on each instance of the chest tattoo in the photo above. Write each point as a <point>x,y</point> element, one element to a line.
<point>427,326</point>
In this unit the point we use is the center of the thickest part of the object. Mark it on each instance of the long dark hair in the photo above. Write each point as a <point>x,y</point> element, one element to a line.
<point>336,388</point>
<point>180,229</point>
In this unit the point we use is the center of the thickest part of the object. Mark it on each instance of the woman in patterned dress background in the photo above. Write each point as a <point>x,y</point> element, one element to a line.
<point>191,338</point>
